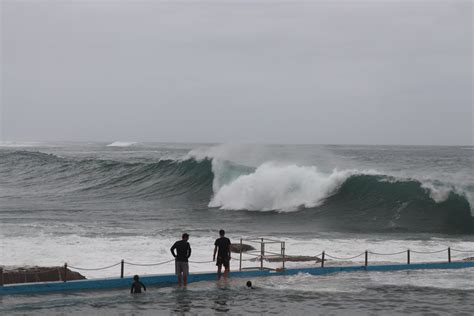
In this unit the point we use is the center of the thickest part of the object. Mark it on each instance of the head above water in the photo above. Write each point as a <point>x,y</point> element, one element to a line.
<point>249,284</point>
<point>185,236</point>
<point>222,232</point>
<point>136,277</point>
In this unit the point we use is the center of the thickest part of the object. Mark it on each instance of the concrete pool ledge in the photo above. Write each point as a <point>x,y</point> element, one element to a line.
<point>170,279</point>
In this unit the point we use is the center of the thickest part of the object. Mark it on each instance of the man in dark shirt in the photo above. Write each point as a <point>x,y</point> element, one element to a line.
<point>222,248</point>
<point>183,252</point>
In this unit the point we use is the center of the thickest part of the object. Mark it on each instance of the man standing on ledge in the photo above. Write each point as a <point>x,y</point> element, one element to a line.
<point>222,247</point>
<point>183,252</point>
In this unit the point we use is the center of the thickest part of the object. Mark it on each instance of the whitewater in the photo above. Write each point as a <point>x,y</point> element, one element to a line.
<point>93,204</point>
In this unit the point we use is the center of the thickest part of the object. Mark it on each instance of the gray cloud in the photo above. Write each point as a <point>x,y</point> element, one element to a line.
<point>307,72</point>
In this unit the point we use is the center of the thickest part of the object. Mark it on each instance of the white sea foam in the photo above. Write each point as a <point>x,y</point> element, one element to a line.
<point>278,187</point>
<point>357,282</point>
<point>437,193</point>
<point>97,252</point>
<point>121,144</point>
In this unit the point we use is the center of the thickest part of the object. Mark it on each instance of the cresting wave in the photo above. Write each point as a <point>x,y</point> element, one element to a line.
<point>283,188</point>
<point>341,198</point>
<point>288,188</point>
<point>121,144</point>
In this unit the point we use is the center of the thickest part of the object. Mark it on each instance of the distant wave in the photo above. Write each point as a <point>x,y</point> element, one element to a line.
<point>105,178</point>
<point>13,144</point>
<point>121,144</point>
<point>364,200</point>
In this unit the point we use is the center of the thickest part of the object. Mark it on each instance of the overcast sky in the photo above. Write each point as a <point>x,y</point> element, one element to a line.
<point>338,72</point>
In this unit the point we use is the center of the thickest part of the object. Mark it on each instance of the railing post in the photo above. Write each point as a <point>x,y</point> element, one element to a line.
<point>240,260</point>
<point>283,254</point>
<point>408,256</point>
<point>65,272</point>
<point>1,276</point>
<point>322,259</point>
<point>366,258</point>
<point>449,254</point>
<point>122,264</point>
<point>262,253</point>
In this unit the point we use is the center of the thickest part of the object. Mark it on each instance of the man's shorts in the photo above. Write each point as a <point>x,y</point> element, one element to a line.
<point>181,267</point>
<point>224,261</point>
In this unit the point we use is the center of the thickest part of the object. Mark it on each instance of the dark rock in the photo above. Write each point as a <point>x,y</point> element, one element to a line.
<point>38,274</point>
<point>236,248</point>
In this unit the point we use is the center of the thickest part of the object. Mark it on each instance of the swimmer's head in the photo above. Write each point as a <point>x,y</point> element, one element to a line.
<point>136,277</point>
<point>249,284</point>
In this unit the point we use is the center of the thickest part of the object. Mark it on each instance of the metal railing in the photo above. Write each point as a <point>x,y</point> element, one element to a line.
<point>262,254</point>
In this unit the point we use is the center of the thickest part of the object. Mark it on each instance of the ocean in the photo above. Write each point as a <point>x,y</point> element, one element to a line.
<point>94,204</point>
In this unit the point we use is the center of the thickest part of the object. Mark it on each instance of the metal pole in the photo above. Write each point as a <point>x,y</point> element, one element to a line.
<point>262,253</point>
<point>366,258</point>
<point>122,264</point>
<point>449,254</point>
<point>322,259</point>
<point>283,254</point>
<point>240,262</point>
<point>408,256</point>
<point>65,272</point>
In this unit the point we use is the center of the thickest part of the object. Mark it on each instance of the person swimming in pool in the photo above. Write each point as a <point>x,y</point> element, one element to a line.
<point>137,285</point>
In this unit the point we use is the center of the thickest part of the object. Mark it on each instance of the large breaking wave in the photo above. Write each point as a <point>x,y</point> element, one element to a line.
<point>50,175</point>
<point>349,199</point>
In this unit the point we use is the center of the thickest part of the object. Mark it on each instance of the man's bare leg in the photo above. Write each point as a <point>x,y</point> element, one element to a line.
<point>219,268</point>
<point>185,279</point>
<point>179,280</point>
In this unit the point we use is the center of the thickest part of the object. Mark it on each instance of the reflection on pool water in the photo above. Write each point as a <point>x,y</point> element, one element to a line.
<point>360,293</point>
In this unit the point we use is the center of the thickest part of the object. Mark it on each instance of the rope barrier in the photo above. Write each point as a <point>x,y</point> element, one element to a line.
<point>238,259</point>
<point>465,251</point>
<point>273,253</point>
<point>296,256</point>
<point>428,252</point>
<point>253,259</point>
<point>339,258</point>
<point>256,257</point>
<point>33,272</point>
<point>148,264</point>
<point>94,269</point>
<point>387,254</point>
<point>203,261</point>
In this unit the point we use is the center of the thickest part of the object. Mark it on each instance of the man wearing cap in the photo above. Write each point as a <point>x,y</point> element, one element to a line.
<point>183,252</point>
<point>222,248</point>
